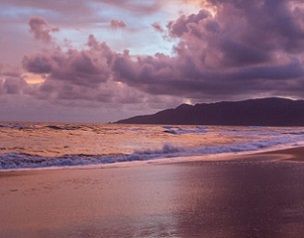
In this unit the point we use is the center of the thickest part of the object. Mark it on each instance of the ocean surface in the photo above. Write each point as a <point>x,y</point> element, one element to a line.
<point>41,145</point>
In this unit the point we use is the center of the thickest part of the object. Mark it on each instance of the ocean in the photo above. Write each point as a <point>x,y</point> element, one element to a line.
<point>45,145</point>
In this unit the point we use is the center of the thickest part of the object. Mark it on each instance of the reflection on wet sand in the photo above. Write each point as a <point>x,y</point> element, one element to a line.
<point>247,200</point>
<point>240,198</point>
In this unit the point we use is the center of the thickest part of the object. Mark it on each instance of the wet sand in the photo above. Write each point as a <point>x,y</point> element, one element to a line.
<point>251,196</point>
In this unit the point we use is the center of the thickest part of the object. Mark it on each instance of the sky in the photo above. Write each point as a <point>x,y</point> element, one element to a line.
<point>105,60</point>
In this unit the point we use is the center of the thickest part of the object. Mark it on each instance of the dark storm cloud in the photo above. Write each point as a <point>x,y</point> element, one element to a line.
<point>246,49</point>
<point>40,64</point>
<point>173,76</point>
<point>58,90</point>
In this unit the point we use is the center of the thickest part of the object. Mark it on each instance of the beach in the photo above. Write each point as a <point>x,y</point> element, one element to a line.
<point>260,195</point>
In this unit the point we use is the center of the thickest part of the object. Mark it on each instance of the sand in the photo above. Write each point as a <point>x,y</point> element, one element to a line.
<point>249,196</point>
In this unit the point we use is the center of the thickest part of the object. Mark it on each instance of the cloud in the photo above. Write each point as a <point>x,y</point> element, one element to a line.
<point>134,6</point>
<point>41,29</point>
<point>11,81</point>
<point>79,75</point>
<point>158,27</point>
<point>227,50</point>
<point>184,24</point>
<point>12,86</point>
<point>219,56</point>
<point>87,67</point>
<point>117,24</point>
<point>232,53</point>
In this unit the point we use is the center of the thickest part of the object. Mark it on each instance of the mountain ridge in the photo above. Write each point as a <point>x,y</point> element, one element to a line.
<point>252,112</point>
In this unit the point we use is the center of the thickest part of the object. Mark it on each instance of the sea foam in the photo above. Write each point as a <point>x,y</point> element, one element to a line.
<point>22,160</point>
<point>26,145</point>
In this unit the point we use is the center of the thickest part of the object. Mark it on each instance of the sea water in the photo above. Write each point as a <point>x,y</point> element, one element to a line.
<point>40,145</point>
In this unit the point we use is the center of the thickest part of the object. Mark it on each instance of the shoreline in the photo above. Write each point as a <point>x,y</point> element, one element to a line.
<point>292,154</point>
<point>176,199</point>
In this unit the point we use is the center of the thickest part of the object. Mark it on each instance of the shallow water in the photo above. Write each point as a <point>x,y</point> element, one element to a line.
<point>36,145</point>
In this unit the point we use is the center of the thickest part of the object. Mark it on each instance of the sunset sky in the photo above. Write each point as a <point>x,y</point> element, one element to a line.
<point>104,60</point>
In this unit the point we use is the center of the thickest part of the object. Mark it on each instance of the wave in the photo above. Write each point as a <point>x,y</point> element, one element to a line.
<point>16,126</point>
<point>64,127</point>
<point>22,160</point>
<point>181,131</point>
<point>24,126</point>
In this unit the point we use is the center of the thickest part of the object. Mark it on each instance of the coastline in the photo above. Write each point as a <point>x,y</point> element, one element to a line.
<point>239,197</point>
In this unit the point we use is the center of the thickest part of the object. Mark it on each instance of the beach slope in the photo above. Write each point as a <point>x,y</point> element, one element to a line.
<point>251,196</point>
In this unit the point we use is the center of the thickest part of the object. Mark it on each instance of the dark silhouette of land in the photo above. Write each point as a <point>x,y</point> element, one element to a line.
<point>253,112</point>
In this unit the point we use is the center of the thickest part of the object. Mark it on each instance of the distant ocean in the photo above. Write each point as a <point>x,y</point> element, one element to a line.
<point>41,145</point>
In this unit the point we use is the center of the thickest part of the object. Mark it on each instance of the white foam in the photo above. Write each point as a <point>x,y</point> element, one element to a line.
<point>181,131</point>
<point>19,160</point>
<point>262,140</point>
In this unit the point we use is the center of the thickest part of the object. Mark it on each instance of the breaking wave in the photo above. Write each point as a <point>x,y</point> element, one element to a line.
<point>23,160</point>
<point>182,131</point>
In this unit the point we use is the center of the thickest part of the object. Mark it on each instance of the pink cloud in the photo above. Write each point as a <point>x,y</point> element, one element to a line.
<point>11,80</point>
<point>117,24</point>
<point>136,7</point>
<point>217,56</point>
<point>41,29</point>
<point>158,27</point>
<point>87,67</point>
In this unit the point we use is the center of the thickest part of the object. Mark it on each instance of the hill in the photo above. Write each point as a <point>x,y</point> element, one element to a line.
<point>253,112</point>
